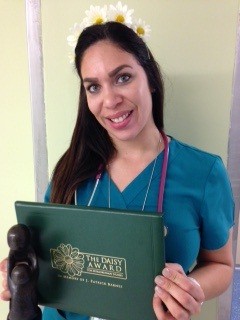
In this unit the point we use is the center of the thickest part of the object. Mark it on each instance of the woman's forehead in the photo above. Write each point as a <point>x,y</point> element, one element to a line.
<point>105,54</point>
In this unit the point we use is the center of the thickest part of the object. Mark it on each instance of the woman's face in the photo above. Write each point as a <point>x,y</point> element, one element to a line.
<point>117,90</point>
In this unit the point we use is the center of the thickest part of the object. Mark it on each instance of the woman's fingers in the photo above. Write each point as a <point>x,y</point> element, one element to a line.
<point>176,310</point>
<point>180,294</point>
<point>176,298</point>
<point>5,283</point>
<point>159,310</point>
<point>5,294</point>
<point>173,279</point>
<point>175,266</point>
<point>3,265</point>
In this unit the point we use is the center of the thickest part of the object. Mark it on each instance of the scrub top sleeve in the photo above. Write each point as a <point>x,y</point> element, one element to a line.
<point>217,211</point>
<point>47,194</point>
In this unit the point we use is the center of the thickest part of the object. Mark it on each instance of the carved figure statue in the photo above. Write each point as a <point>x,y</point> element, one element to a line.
<point>22,275</point>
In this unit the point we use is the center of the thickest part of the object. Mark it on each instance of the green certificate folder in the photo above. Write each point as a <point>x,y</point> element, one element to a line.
<point>96,261</point>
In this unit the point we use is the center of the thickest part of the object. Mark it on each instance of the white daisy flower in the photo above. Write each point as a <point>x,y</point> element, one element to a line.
<point>75,33</point>
<point>96,15</point>
<point>120,13</point>
<point>71,57</point>
<point>142,29</point>
<point>100,15</point>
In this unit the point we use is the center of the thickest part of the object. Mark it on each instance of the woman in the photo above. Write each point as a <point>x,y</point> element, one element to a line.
<point>119,131</point>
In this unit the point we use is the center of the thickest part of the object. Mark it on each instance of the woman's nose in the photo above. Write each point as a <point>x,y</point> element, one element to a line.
<point>111,98</point>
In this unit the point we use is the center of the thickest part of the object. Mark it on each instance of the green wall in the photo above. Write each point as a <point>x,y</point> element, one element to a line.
<point>16,161</point>
<point>194,43</point>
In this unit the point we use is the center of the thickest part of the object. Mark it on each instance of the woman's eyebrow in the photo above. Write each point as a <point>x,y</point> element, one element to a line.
<point>116,70</point>
<point>111,73</point>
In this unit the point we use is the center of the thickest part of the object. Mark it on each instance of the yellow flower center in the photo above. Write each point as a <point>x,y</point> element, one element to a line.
<point>98,20</point>
<point>140,31</point>
<point>120,18</point>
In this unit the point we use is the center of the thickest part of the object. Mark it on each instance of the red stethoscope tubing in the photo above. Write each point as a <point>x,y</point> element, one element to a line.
<point>164,173</point>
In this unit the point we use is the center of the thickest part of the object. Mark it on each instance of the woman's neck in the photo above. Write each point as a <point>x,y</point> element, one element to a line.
<point>132,157</point>
<point>149,145</point>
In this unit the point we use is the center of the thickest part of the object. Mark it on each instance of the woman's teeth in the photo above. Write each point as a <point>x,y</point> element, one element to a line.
<point>120,119</point>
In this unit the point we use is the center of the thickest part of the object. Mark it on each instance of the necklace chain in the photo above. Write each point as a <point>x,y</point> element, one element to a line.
<point>148,187</point>
<point>109,186</point>
<point>149,184</point>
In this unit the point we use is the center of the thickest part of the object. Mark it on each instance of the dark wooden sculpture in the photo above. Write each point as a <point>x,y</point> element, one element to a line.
<point>22,275</point>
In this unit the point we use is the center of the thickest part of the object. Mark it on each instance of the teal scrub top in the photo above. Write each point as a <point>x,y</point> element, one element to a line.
<point>198,204</point>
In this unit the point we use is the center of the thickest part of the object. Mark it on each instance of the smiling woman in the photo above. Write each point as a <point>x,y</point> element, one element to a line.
<point>119,133</point>
<point>112,110</point>
<point>118,92</point>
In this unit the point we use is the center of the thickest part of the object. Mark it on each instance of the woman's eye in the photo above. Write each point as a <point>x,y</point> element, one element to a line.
<point>93,88</point>
<point>123,78</point>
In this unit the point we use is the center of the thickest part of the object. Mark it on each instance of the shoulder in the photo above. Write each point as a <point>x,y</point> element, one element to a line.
<point>182,150</point>
<point>198,165</point>
<point>47,195</point>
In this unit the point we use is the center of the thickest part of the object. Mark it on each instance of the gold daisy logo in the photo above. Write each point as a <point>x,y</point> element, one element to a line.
<point>73,263</point>
<point>67,259</point>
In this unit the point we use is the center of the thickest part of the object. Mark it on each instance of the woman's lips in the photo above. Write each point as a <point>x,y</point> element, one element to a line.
<point>120,120</point>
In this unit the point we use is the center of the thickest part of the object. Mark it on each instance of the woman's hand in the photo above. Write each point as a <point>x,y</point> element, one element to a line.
<point>5,294</point>
<point>176,295</point>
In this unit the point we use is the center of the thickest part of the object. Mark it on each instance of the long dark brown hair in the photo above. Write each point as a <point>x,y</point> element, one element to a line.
<point>91,146</point>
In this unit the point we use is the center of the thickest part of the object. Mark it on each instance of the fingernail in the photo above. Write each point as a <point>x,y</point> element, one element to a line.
<point>160,281</point>
<point>159,290</point>
<point>166,272</point>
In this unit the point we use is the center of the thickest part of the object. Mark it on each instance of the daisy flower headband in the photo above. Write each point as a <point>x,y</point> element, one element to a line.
<point>100,15</point>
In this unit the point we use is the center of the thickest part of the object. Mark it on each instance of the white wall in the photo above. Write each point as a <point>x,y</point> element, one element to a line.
<point>194,42</point>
